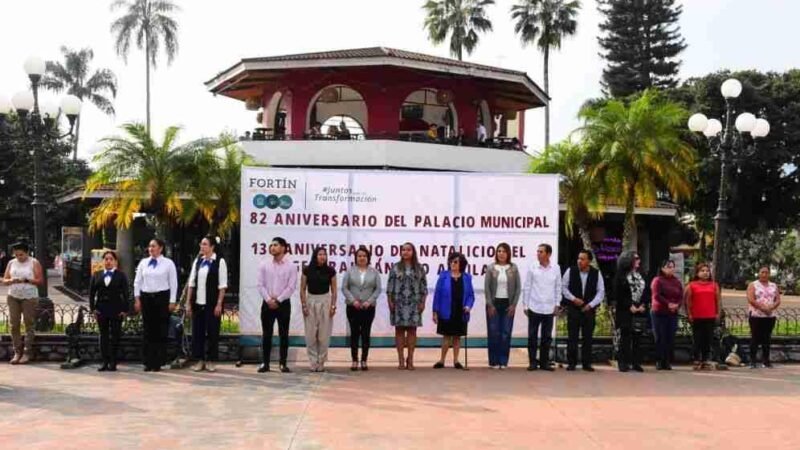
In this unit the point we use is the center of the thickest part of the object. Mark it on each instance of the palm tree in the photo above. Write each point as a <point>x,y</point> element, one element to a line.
<point>461,19</point>
<point>545,22</point>
<point>73,76</point>
<point>640,149</point>
<point>146,176</point>
<point>215,184</point>
<point>149,22</point>
<point>578,188</point>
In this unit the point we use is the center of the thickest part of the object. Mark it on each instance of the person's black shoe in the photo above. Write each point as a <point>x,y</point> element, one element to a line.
<point>622,368</point>
<point>354,367</point>
<point>438,365</point>
<point>263,368</point>
<point>532,368</point>
<point>364,367</point>
<point>103,368</point>
<point>547,367</point>
<point>156,369</point>
<point>660,365</point>
<point>285,369</point>
<point>638,368</point>
<point>457,365</point>
<point>768,365</point>
<point>112,367</point>
<point>588,369</point>
<point>147,369</point>
<point>753,366</point>
<point>571,368</point>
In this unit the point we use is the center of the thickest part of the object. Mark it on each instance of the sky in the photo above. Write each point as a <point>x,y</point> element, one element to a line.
<point>721,34</point>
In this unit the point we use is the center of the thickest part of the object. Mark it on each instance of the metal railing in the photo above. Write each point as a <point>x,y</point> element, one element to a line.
<point>498,143</point>
<point>736,321</point>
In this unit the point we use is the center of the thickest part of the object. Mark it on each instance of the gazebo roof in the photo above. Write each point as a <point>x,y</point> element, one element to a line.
<point>239,80</point>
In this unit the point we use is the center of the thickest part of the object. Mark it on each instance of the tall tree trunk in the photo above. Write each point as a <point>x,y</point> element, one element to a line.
<point>547,91</point>
<point>147,77</point>
<point>75,138</point>
<point>630,236</point>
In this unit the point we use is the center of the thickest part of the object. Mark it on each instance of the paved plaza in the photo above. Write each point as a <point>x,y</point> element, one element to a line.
<point>45,407</point>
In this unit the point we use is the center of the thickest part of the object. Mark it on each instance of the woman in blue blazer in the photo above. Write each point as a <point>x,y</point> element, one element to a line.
<point>452,302</point>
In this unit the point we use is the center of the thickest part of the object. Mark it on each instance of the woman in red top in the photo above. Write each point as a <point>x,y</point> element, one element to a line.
<point>703,305</point>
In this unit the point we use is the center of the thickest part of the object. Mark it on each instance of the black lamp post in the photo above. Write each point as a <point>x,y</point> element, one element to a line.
<point>730,147</point>
<point>37,125</point>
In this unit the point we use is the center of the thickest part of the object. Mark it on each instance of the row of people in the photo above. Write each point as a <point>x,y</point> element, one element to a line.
<point>547,293</point>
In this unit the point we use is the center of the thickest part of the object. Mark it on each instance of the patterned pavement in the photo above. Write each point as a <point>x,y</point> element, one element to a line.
<point>44,407</point>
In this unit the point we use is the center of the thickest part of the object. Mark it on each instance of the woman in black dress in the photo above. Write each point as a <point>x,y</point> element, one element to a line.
<point>452,302</point>
<point>108,301</point>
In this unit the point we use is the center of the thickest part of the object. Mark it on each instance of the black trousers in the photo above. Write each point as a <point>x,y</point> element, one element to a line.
<point>205,329</point>
<point>761,336</point>
<point>580,324</point>
<point>110,331</point>
<point>630,351</point>
<point>155,324</point>
<point>360,329</point>
<point>268,317</point>
<point>535,323</point>
<point>703,336</point>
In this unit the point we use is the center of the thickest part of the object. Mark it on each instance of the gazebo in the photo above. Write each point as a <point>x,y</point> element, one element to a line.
<point>381,94</point>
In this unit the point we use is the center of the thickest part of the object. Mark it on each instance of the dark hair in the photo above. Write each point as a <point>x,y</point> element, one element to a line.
<point>212,241</point>
<point>547,248</point>
<point>698,267</point>
<point>505,247</point>
<point>21,245</point>
<point>665,263</point>
<point>415,265</point>
<point>462,261</point>
<point>160,242</point>
<point>313,265</point>
<point>625,262</point>
<point>112,253</point>
<point>364,249</point>
<point>281,241</point>
<point>588,254</point>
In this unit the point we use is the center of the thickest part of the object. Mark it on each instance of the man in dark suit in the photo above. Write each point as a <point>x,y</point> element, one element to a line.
<point>583,290</point>
<point>108,301</point>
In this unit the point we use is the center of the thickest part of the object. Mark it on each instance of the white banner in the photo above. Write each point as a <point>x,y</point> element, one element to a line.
<point>437,212</point>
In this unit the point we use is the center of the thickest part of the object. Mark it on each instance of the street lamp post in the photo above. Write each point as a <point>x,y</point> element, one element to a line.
<point>38,126</point>
<point>729,147</point>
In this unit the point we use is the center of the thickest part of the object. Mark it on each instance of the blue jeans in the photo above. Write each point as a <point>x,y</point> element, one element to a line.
<point>664,327</point>
<point>498,329</point>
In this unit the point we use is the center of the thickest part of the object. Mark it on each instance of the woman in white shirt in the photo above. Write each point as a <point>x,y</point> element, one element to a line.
<point>208,281</point>
<point>502,288</point>
<point>155,289</point>
<point>23,276</point>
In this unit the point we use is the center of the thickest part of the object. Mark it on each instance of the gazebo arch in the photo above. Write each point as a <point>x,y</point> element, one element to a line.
<point>337,100</point>
<point>426,106</point>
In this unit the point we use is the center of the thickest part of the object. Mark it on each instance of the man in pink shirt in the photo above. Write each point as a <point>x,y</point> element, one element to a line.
<point>277,280</point>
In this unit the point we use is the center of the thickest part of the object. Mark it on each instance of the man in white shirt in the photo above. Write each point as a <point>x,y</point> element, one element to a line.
<point>583,290</point>
<point>480,133</point>
<point>541,304</point>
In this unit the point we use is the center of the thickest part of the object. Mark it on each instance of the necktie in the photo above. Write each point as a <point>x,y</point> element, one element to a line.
<point>153,262</point>
<point>205,263</point>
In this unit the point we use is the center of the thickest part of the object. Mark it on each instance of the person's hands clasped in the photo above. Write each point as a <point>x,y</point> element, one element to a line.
<point>357,304</point>
<point>587,308</point>
<point>273,303</point>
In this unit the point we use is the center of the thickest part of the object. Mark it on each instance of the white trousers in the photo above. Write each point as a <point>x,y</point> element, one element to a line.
<point>318,329</point>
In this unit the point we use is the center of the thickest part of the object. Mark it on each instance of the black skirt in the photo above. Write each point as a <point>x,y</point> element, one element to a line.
<point>455,325</point>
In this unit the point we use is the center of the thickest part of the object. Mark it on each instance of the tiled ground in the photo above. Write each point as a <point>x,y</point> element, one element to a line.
<point>44,407</point>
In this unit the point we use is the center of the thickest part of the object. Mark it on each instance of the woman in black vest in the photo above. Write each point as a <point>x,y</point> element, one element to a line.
<point>207,284</point>
<point>108,301</point>
<point>631,311</point>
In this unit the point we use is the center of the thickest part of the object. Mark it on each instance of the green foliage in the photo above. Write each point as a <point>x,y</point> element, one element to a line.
<point>579,189</point>
<point>778,249</point>
<point>640,152</point>
<point>641,41</point>
<point>462,20</point>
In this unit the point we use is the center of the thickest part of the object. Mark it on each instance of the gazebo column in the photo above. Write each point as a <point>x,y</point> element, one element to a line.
<point>383,112</point>
<point>299,112</point>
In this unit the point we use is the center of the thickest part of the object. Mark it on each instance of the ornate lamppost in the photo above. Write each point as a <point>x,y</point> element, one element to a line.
<point>730,147</point>
<point>37,128</point>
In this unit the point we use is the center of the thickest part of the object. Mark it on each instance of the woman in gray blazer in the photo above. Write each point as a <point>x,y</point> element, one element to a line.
<point>361,287</point>
<point>502,287</point>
